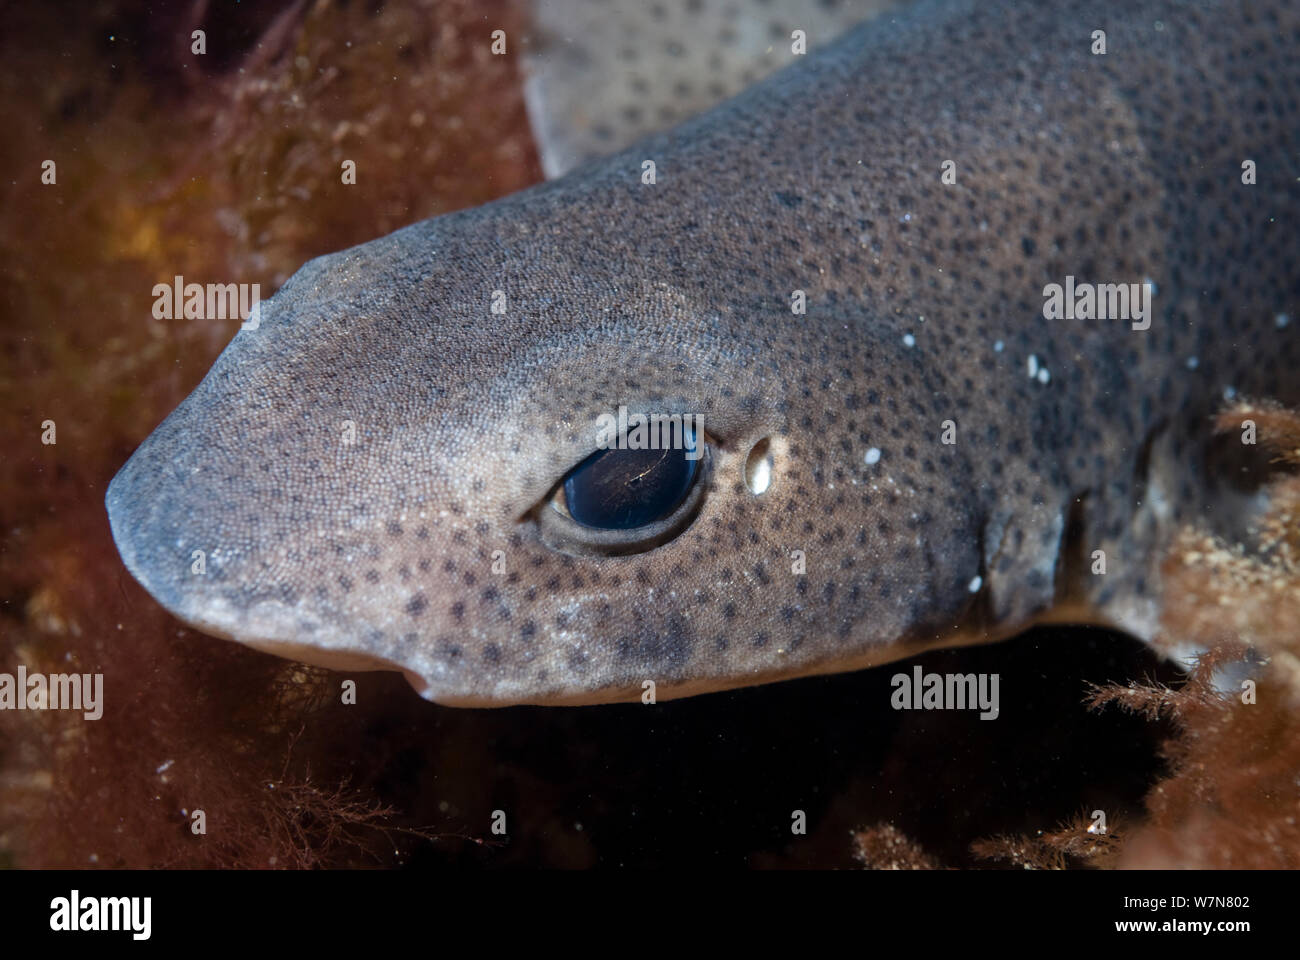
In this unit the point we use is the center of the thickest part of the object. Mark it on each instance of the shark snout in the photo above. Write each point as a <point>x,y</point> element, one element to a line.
<point>159,511</point>
<point>288,552</point>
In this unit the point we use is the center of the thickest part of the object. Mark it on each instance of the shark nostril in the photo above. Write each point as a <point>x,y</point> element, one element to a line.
<point>758,467</point>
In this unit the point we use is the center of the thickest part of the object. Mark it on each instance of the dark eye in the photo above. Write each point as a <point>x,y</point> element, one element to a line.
<point>625,501</point>
<point>625,489</point>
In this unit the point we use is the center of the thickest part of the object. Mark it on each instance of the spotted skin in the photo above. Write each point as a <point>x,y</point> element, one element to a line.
<point>924,305</point>
<point>600,75</point>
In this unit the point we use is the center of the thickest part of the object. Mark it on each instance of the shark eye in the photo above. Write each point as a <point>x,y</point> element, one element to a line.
<point>625,501</point>
<point>625,489</point>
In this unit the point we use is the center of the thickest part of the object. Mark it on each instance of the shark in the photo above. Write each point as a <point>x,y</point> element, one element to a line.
<point>938,314</point>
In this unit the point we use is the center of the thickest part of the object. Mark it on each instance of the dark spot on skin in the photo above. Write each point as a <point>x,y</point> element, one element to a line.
<point>663,651</point>
<point>416,605</point>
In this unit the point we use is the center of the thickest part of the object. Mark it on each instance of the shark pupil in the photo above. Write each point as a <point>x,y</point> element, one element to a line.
<point>624,489</point>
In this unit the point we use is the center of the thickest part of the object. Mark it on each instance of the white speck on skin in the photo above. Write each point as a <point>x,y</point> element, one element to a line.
<point>1281,320</point>
<point>1044,376</point>
<point>1032,363</point>
<point>1229,393</point>
<point>998,346</point>
<point>909,340</point>
<point>872,457</point>
<point>975,584</point>
<point>1193,363</point>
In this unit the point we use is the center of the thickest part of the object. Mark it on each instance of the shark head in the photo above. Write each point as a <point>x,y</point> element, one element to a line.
<point>383,473</point>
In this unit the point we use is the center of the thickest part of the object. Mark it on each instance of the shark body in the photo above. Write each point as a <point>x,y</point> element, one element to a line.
<point>368,474</point>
